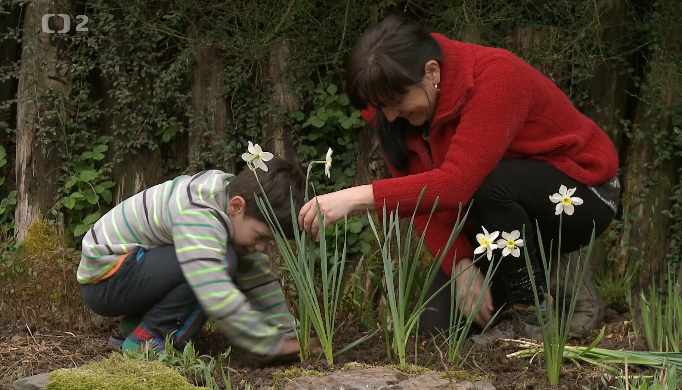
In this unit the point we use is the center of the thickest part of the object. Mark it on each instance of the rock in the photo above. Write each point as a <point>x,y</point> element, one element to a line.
<point>380,378</point>
<point>35,382</point>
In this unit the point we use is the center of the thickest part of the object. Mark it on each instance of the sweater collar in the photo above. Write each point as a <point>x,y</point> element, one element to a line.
<point>456,76</point>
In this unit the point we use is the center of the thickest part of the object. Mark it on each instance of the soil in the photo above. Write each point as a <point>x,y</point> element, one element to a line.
<point>27,351</point>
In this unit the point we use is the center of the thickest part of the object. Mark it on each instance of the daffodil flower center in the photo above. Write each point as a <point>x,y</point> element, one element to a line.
<point>485,242</point>
<point>566,201</point>
<point>511,244</point>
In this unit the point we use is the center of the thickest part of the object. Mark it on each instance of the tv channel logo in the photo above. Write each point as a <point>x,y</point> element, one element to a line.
<point>67,23</point>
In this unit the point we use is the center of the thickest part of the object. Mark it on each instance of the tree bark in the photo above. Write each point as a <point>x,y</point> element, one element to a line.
<point>648,188</point>
<point>281,143</point>
<point>208,127</point>
<point>9,56</point>
<point>134,169</point>
<point>43,68</point>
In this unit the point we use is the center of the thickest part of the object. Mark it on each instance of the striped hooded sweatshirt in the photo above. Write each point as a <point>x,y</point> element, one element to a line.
<point>191,213</point>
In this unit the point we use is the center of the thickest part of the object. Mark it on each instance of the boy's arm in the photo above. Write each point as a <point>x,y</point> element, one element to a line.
<point>255,279</point>
<point>200,232</point>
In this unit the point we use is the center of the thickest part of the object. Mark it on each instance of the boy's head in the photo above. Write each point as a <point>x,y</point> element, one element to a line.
<point>281,182</point>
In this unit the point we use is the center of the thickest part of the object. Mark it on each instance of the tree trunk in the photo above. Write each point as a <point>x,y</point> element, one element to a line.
<point>9,56</point>
<point>281,144</point>
<point>134,169</point>
<point>43,69</point>
<point>648,188</point>
<point>612,99</point>
<point>210,109</point>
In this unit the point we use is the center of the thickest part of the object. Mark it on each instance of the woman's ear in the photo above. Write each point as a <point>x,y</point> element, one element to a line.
<point>432,72</point>
<point>236,205</point>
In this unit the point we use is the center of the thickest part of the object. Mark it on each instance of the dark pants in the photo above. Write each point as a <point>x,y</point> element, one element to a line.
<point>155,287</point>
<point>514,195</point>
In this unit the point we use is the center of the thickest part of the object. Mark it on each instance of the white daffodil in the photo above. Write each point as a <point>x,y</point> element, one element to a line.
<point>328,163</point>
<point>565,201</point>
<point>256,157</point>
<point>511,243</point>
<point>487,242</point>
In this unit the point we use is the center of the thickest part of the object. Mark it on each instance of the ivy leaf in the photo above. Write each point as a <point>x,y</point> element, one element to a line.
<point>355,226</point>
<point>332,89</point>
<point>91,197</point>
<point>365,247</point>
<point>366,236</point>
<point>343,100</point>
<point>298,115</point>
<point>91,218</point>
<point>314,136</point>
<point>69,202</point>
<point>72,181</point>
<point>107,184</point>
<point>315,121</point>
<point>93,155</point>
<point>81,229</point>
<point>88,175</point>
<point>106,195</point>
<point>100,148</point>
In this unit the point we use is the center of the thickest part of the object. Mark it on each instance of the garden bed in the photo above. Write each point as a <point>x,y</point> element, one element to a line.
<point>25,352</point>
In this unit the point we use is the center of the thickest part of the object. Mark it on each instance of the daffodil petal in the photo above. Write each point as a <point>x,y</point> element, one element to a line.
<point>505,251</point>
<point>518,242</point>
<point>327,171</point>
<point>559,208</point>
<point>267,156</point>
<point>257,149</point>
<point>516,252</point>
<point>251,148</point>
<point>247,157</point>
<point>478,250</point>
<point>576,201</point>
<point>556,198</point>
<point>479,237</point>
<point>569,209</point>
<point>494,235</point>
<point>514,235</point>
<point>329,153</point>
<point>501,242</point>
<point>571,191</point>
<point>563,190</point>
<point>490,253</point>
<point>485,231</point>
<point>260,164</point>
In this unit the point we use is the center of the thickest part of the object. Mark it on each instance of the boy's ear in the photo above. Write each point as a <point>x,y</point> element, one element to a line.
<point>236,206</point>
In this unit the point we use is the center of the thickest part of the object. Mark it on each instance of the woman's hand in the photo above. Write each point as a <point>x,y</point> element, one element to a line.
<point>469,285</point>
<point>335,206</point>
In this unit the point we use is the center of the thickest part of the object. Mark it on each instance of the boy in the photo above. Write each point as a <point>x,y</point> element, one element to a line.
<point>191,248</point>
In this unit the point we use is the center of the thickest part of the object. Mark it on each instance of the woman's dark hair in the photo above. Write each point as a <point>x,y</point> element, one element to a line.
<point>387,59</point>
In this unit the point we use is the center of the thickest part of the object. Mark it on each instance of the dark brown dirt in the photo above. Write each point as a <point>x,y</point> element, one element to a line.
<point>24,353</point>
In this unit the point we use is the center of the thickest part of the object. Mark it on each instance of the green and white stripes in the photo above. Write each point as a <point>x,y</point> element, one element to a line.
<point>190,213</point>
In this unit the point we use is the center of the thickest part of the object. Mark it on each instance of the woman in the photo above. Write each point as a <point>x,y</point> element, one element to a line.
<point>476,123</point>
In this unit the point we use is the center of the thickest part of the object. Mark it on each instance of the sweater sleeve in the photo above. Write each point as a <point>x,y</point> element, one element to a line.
<point>260,286</point>
<point>437,234</point>
<point>200,232</point>
<point>494,114</point>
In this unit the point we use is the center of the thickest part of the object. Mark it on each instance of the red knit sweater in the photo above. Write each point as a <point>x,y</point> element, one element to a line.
<point>491,105</point>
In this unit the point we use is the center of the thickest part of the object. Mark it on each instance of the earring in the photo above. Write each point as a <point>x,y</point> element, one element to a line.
<point>437,89</point>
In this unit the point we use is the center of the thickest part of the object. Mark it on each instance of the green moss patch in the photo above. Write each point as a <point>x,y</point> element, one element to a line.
<point>119,373</point>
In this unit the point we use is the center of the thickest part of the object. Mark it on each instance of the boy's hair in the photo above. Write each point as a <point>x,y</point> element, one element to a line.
<point>281,183</point>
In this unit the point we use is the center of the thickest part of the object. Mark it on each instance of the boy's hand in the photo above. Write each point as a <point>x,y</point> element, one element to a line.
<point>291,346</point>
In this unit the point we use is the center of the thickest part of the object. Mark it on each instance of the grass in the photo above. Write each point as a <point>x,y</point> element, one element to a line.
<point>662,317</point>
<point>556,321</point>
<point>401,279</point>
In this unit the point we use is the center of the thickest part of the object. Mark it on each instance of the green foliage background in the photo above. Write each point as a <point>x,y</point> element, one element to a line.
<point>137,60</point>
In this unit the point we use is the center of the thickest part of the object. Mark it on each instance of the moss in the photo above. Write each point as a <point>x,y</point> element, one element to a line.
<point>280,377</point>
<point>42,239</point>
<point>119,373</point>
